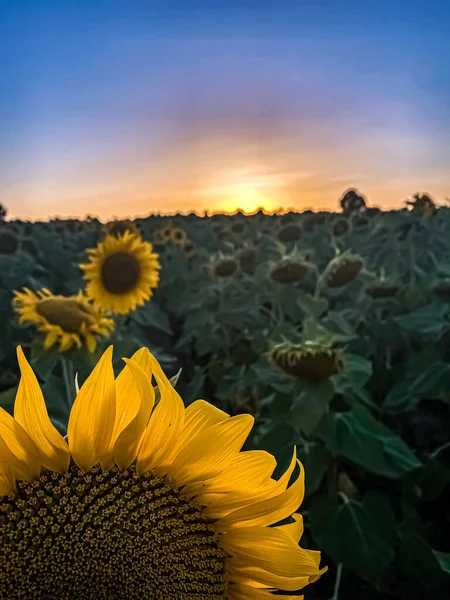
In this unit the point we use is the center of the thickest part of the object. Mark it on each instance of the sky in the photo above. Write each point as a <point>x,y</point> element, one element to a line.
<point>129,108</point>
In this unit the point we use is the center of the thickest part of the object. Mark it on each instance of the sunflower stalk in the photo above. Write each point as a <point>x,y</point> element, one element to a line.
<point>69,380</point>
<point>337,582</point>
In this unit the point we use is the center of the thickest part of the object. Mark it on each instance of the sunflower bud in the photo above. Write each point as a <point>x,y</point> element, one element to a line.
<point>312,362</point>
<point>290,271</point>
<point>342,270</point>
<point>9,242</point>
<point>289,233</point>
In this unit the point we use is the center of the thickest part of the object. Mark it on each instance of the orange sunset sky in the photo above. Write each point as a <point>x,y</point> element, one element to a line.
<point>117,109</point>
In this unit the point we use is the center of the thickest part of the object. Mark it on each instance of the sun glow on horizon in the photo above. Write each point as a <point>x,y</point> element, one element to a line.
<point>243,191</point>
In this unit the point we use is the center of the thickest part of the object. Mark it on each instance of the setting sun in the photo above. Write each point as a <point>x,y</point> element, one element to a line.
<point>248,192</point>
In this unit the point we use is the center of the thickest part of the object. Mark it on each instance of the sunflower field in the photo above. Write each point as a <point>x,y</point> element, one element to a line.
<point>331,329</point>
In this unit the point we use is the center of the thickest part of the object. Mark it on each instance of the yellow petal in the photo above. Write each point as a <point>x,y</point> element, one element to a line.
<point>295,529</point>
<point>92,416</point>
<point>283,482</point>
<point>242,591</point>
<point>269,511</point>
<point>127,444</point>
<point>165,425</point>
<point>210,453</point>
<point>30,411</point>
<point>7,482</point>
<point>248,471</point>
<point>268,556</point>
<point>198,416</point>
<point>18,449</point>
<point>128,399</point>
<point>50,339</point>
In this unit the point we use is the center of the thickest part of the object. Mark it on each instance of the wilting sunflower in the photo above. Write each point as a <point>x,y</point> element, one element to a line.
<point>121,273</point>
<point>144,499</point>
<point>290,270</point>
<point>223,266</point>
<point>343,269</point>
<point>68,320</point>
<point>311,361</point>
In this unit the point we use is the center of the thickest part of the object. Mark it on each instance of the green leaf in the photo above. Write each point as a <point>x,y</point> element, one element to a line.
<point>7,399</point>
<point>230,382</point>
<point>265,374</point>
<point>443,559</point>
<point>358,436</point>
<point>357,370</point>
<point>43,361</point>
<point>361,535</point>
<point>427,320</point>
<point>417,559</point>
<point>400,397</point>
<point>427,483</point>
<point>315,459</point>
<point>279,440</point>
<point>195,386</point>
<point>310,406</point>
<point>151,315</point>
<point>312,307</point>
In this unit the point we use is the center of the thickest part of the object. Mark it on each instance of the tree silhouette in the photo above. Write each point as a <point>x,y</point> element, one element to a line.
<point>352,202</point>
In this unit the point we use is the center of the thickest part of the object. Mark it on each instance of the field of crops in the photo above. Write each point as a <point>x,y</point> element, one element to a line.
<point>331,329</point>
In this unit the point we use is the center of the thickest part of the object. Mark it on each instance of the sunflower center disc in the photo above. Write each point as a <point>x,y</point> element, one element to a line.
<point>68,314</point>
<point>120,273</point>
<point>104,536</point>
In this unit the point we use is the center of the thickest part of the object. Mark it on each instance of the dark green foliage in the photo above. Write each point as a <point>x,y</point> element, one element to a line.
<point>383,421</point>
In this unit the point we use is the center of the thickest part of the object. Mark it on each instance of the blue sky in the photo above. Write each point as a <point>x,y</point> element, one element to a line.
<point>128,107</point>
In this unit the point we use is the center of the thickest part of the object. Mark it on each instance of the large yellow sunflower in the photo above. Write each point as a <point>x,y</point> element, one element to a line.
<point>68,320</point>
<point>145,499</point>
<point>121,272</point>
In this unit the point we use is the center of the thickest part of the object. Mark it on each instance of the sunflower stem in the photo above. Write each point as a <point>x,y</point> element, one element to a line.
<point>337,582</point>
<point>68,376</point>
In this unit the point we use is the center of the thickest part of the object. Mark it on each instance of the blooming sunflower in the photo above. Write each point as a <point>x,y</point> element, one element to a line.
<point>68,320</point>
<point>145,499</point>
<point>121,272</point>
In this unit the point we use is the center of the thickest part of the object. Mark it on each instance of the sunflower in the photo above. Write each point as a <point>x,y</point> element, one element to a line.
<point>178,236</point>
<point>67,320</point>
<point>121,273</point>
<point>144,499</point>
<point>311,361</point>
<point>224,267</point>
<point>290,270</point>
<point>343,269</point>
<point>290,233</point>
<point>119,227</point>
